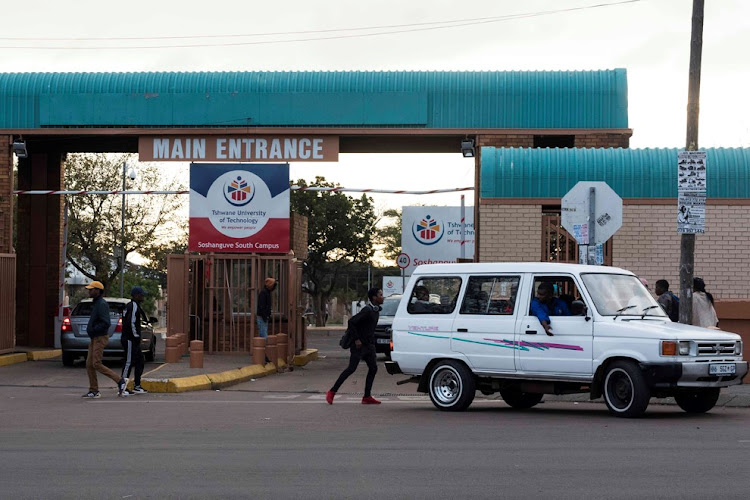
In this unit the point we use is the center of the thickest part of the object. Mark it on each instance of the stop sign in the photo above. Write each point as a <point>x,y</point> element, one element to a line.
<point>607,212</point>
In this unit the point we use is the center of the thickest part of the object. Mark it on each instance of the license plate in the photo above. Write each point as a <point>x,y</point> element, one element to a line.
<point>384,341</point>
<point>722,369</point>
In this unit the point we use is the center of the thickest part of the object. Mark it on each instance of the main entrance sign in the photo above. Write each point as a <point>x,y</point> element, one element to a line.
<point>236,148</point>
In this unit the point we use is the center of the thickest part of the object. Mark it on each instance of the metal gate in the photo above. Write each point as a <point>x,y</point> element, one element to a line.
<point>559,246</point>
<point>213,298</point>
<point>7,302</point>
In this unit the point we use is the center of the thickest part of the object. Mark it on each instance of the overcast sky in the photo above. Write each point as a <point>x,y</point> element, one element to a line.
<point>650,38</point>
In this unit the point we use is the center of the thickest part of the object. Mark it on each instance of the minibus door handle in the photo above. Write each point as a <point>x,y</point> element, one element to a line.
<point>462,330</point>
<point>530,332</point>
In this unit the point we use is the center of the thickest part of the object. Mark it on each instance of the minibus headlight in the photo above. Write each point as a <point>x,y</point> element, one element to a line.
<point>684,348</point>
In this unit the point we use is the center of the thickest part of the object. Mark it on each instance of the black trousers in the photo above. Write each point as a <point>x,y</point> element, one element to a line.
<point>133,357</point>
<point>366,353</point>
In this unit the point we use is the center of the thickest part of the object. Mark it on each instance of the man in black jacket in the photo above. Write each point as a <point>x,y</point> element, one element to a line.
<point>363,325</point>
<point>264,307</point>
<point>131,338</point>
<point>98,331</point>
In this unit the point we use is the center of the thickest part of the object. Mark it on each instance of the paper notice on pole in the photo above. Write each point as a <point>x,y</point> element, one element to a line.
<point>691,212</point>
<point>581,233</point>
<point>691,171</point>
<point>583,254</point>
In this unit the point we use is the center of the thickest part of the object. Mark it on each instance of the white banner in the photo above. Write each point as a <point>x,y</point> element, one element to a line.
<point>432,235</point>
<point>394,284</point>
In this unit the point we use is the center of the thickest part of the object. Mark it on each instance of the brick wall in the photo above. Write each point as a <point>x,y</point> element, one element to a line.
<point>506,140</point>
<point>511,233</point>
<point>6,198</point>
<point>648,244</point>
<point>298,238</point>
<point>602,140</point>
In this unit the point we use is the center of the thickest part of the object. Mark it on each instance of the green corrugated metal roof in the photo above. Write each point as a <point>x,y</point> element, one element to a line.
<point>435,99</point>
<point>631,173</point>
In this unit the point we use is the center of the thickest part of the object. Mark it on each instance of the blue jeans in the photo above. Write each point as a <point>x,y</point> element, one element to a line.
<point>262,327</point>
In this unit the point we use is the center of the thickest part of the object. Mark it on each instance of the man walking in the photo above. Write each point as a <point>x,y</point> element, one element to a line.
<point>131,338</point>
<point>667,300</point>
<point>264,307</point>
<point>98,331</point>
<point>363,326</point>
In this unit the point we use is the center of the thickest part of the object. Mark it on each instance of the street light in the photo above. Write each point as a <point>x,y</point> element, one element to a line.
<point>132,175</point>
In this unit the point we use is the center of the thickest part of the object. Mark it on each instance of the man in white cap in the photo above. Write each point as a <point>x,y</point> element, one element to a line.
<point>98,331</point>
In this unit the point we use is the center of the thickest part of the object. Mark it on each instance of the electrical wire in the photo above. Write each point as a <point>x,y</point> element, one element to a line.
<point>390,30</point>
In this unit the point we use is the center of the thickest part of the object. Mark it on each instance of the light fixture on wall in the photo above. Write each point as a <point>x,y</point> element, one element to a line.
<point>19,148</point>
<point>467,148</point>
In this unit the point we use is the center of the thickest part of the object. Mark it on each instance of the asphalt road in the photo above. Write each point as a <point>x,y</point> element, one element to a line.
<point>277,438</point>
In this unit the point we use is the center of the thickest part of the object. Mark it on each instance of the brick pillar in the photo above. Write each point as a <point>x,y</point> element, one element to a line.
<point>39,247</point>
<point>6,198</point>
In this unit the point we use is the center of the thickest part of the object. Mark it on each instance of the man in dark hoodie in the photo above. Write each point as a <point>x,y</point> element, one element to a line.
<point>131,338</point>
<point>264,306</point>
<point>98,331</point>
<point>363,324</point>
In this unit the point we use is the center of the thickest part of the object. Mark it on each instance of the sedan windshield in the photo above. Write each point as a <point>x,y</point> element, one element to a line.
<point>390,305</point>
<point>620,294</point>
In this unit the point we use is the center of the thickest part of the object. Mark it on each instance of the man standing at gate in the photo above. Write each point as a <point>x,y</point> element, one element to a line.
<point>363,326</point>
<point>264,307</point>
<point>131,338</point>
<point>98,331</point>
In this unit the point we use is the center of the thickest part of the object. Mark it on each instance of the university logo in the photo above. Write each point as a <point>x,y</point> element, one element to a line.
<point>238,192</point>
<point>389,284</point>
<point>427,231</point>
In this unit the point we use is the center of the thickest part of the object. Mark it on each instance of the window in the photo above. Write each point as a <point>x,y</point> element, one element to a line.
<point>558,245</point>
<point>116,309</point>
<point>490,295</point>
<point>554,141</point>
<point>566,297</point>
<point>434,296</point>
<point>618,294</point>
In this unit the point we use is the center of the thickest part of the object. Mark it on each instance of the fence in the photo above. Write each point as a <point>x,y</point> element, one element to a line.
<point>213,298</point>
<point>559,246</point>
<point>7,302</point>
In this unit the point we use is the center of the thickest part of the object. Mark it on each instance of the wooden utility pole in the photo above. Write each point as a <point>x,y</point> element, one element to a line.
<point>687,242</point>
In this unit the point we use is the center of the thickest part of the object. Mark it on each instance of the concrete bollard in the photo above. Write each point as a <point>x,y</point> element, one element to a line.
<point>172,350</point>
<point>184,348</point>
<point>196,354</point>
<point>271,349</point>
<point>259,351</point>
<point>282,347</point>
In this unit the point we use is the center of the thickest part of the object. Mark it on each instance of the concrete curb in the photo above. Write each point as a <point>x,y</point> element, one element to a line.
<point>209,381</point>
<point>20,357</point>
<point>40,355</point>
<point>12,359</point>
<point>305,357</point>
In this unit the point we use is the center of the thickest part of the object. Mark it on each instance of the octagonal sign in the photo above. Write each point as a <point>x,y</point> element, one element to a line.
<point>607,212</point>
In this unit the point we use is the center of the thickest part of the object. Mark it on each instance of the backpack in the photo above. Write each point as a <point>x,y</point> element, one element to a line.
<point>674,314</point>
<point>347,339</point>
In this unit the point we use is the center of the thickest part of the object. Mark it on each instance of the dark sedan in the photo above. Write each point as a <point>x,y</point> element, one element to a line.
<point>75,341</point>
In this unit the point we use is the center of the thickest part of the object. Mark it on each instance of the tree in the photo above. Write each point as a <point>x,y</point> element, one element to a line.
<point>94,232</point>
<point>340,231</point>
<point>390,235</point>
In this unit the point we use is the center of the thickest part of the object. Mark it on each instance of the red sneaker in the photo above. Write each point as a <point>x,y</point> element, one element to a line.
<point>369,400</point>
<point>329,397</point>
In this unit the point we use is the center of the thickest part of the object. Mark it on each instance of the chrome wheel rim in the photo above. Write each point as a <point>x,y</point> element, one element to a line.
<point>446,386</point>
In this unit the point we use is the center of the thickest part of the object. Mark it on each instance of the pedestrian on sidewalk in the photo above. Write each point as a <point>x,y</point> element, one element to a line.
<point>98,331</point>
<point>131,339</point>
<point>362,325</point>
<point>704,313</point>
<point>264,307</point>
<point>667,300</point>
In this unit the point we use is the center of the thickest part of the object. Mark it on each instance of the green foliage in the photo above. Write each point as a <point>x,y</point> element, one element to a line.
<point>94,225</point>
<point>340,232</point>
<point>390,236</point>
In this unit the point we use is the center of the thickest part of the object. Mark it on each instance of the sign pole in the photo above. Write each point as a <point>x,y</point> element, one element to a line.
<point>463,228</point>
<point>591,257</point>
<point>687,241</point>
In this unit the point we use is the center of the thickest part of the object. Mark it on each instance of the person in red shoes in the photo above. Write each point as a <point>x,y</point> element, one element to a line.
<point>363,324</point>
